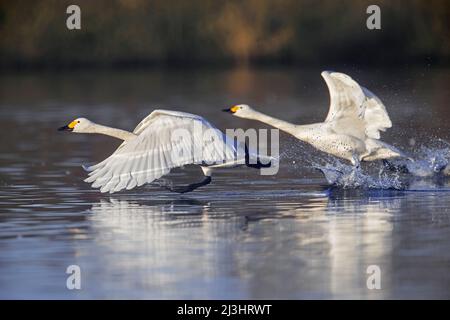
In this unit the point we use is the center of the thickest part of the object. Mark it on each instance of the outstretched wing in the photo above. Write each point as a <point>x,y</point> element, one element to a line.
<point>164,140</point>
<point>375,115</point>
<point>351,102</point>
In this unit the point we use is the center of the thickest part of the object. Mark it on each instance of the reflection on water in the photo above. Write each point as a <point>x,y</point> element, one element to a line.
<point>243,236</point>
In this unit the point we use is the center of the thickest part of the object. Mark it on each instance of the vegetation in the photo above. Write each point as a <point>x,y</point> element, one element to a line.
<point>116,32</point>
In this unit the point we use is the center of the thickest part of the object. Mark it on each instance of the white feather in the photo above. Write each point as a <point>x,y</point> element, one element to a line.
<point>153,152</point>
<point>351,102</point>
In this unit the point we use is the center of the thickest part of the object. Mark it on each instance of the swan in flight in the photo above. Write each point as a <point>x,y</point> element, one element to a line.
<point>162,141</point>
<point>351,129</point>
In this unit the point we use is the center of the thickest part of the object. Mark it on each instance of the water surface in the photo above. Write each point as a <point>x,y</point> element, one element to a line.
<point>245,235</point>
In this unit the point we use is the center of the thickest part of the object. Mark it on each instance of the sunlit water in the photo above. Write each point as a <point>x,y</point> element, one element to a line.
<point>245,235</point>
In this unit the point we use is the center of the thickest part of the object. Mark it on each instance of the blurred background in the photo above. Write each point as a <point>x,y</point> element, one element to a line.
<point>204,32</point>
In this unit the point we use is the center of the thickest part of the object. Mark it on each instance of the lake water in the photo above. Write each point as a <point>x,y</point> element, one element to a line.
<point>243,236</point>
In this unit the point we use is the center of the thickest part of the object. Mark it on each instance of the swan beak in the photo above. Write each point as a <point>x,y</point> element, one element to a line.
<point>230,110</point>
<point>65,128</point>
<point>69,127</point>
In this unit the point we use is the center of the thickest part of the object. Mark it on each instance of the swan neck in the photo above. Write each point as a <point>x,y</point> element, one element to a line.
<point>112,132</point>
<point>274,122</point>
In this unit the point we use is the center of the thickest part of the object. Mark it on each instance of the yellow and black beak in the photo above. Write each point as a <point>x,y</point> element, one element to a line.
<point>68,127</point>
<point>231,110</point>
<point>64,128</point>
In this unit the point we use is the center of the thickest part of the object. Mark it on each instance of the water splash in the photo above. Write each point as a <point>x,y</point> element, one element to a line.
<point>427,160</point>
<point>427,163</point>
<point>430,161</point>
<point>349,177</point>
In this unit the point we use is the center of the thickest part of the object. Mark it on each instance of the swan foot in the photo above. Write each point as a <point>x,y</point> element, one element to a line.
<point>189,187</point>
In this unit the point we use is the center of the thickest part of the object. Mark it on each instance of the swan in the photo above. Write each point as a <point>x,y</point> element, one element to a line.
<point>162,141</point>
<point>351,130</point>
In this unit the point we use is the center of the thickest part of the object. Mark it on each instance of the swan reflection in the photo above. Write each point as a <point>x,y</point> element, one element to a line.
<point>310,245</point>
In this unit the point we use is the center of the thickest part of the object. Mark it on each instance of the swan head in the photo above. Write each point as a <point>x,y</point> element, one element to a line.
<point>240,110</point>
<point>79,125</point>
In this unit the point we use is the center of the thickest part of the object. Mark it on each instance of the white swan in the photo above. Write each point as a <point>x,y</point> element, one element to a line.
<point>352,128</point>
<point>162,141</point>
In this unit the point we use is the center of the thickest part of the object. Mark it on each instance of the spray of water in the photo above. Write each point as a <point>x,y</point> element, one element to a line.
<point>428,162</point>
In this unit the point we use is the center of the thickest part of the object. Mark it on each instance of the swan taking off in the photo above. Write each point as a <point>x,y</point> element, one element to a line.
<point>162,141</point>
<point>352,128</point>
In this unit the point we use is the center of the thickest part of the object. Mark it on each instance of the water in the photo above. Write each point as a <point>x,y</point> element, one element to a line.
<point>245,235</point>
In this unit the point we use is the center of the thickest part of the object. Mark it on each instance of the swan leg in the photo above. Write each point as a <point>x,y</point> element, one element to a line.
<point>207,171</point>
<point>355,161</point>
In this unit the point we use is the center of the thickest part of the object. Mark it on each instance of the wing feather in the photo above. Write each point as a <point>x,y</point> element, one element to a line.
<point>351,103</point>
<point>375,115</point>
<point>156,150</point>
